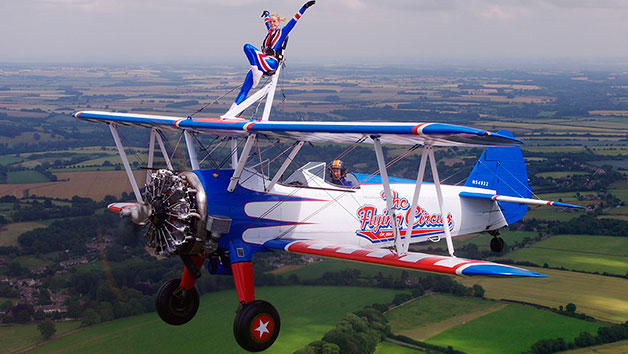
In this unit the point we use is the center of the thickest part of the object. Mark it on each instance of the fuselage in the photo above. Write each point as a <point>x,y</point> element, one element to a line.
<point>313,209</point>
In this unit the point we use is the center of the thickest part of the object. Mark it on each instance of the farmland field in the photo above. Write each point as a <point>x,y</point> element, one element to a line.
<point>15,337</point>
<point>306,314</point>
<point>595,295</point>
<point>519,328</point>
<point>432,314</point>
<point>620,347</point>
<point>579,252</point>
<point>546,213</point>
<point>26,177</point>
<point>95,185</point>
<point>9,233</point>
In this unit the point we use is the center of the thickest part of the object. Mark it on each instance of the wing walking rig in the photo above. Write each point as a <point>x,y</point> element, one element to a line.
<point>221,217</point>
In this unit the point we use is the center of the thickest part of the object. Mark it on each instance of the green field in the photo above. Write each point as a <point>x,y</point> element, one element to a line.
<point>595,295</point>
<point>432,314</point>
<point>306,314</point>
<point>9,233</point>
<point>580,252</point>
<point>392,348</point>
<point>15,337</point>
<point>9,159</point>
<point>545,213</point>
<point>482,240</point>
<point>519,327</point>
<point>23,177</point>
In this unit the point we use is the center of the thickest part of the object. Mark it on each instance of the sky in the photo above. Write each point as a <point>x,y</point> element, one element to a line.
<point>330,32</point>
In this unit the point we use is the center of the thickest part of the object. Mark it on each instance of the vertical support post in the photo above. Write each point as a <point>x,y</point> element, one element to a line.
<point>163,150</point>
<point>271,94</point>
<point>234,152</point>
<point>151,154</point>
<point>243,279</point>
<point>240,167</point>
<point>386,184</point>
<point>285,165</point>
<point>415,200</point>
<point>189,143</point>
<point>187,279</point>
<point>125,162</point>
<point>439,195</point>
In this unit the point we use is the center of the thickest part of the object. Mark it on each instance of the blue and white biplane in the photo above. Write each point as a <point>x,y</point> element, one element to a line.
<point>221,217</point>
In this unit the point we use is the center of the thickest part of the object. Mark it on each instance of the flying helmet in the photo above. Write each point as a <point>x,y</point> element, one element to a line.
<point>338,164</point>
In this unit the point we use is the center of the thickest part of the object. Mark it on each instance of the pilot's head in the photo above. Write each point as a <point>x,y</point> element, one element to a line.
<point>337,170</point>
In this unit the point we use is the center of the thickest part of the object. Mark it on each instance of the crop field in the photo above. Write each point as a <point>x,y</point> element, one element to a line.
<point>95,185</point>
<point>519,328</point>
<point>25,177</point>
<point>9,233</point>
<point>579,252</point>
<point>306,314</point>
<point>432,314</point>
<point>482,240</point>
<point>601,297</point>
<point>16,337</point>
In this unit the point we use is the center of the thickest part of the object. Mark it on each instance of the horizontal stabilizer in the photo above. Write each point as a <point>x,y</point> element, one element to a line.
<point>412,260</point>
<point>509,199</point>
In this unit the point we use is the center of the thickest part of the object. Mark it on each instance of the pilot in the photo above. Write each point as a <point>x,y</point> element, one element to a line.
<point>266,60</point>
<point>338,173</point>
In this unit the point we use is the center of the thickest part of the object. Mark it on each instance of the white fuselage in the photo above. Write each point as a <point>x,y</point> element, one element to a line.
<point>359,216</point>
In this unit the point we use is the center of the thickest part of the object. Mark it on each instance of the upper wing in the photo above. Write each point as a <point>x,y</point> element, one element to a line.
<point>437,134</point>
<point>413,260</point>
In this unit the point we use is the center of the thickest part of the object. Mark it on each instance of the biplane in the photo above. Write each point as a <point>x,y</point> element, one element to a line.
<point>220,218</point>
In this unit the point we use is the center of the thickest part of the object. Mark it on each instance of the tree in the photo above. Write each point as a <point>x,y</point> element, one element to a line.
<point>478,290</point>
<point>47,329</point>
<point>90,317</point>
<point>571,308</point>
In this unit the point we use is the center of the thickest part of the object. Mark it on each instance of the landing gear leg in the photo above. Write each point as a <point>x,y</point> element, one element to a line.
<point>177,299</point>
<point>256,325</point>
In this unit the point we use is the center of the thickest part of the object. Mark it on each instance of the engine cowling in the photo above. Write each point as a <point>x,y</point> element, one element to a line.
<point>177,213</point>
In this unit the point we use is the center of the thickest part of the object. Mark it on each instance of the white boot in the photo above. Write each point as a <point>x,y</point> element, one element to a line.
<point>257,75</point>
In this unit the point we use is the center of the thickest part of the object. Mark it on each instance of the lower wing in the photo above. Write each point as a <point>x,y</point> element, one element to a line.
<point>412,260</point>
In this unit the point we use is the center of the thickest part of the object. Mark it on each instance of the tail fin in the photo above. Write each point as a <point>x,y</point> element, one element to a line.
<point>503,170</point>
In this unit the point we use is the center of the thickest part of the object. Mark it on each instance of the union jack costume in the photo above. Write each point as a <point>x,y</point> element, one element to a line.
<point>266,60</point>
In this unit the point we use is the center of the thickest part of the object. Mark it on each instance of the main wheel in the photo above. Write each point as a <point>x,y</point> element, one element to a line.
<point>175,305</point>
<point>256,326</point>
<point>497,244</point>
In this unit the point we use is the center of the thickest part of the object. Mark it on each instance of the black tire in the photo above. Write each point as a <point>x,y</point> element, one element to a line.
<point>173,309</point>
<point>256,326</point>
<point>497,244</point>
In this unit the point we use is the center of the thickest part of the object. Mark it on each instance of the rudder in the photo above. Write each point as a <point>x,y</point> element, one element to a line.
<point>503,169</point>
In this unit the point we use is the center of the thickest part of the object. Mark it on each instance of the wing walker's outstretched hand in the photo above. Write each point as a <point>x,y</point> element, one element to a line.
<point>309,3</point>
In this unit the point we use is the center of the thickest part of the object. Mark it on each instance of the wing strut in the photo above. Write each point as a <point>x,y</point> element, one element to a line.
<point>189,143</point>
<point>234,152</point>
<point>439,195</point>
<point>240,167</point>
<point>125,162</point>
<point>154,134</point>
<point>285,165</point>
<point>392,211</point>
<point>415,201</point>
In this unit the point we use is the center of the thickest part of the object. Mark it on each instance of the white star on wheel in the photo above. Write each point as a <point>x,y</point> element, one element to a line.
<point>262,328</point>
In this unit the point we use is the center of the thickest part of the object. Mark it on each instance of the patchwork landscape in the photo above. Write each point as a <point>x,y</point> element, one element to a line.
<point>64,258</point>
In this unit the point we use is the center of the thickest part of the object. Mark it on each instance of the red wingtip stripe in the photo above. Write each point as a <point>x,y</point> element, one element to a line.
<point>415,130</point>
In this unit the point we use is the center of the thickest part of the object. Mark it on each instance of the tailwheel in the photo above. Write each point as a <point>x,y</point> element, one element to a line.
<point>174,304</point>
<point>256,326</point>
<point>497,244</point>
